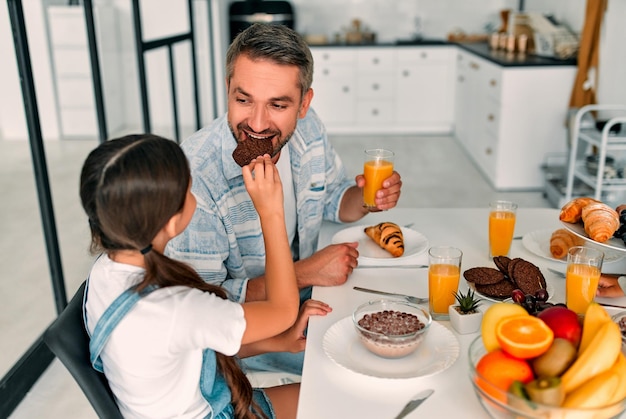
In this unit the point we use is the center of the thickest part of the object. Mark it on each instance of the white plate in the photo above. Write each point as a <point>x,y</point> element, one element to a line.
<point>437,352</point>
<point>549,288</point>
<point>538,242</point>
<point>612,243</point>
<point>370,252</point>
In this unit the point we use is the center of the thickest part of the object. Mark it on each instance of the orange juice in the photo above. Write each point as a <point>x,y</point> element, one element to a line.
<point>375,171</point>
<point>501,227</point>
<point>443,281</point>
<point>581,284</point>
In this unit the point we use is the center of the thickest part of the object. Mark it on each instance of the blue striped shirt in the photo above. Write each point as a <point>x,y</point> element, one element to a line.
<point>224,241</point>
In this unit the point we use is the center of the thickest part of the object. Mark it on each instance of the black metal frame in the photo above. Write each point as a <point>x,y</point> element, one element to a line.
<point>95,71</point>
<point>142,47</point>
<point>16,383</point>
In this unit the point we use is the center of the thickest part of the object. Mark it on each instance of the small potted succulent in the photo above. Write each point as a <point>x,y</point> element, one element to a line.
<point>466,316</point>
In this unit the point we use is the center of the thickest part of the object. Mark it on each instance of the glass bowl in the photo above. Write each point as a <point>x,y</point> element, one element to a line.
<point>501,404</point>
<point>395,341</point>
<point>620,319</point>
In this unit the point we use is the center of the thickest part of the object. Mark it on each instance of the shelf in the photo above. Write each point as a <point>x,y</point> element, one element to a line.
<point>582,174</point>
<point>594,137</point>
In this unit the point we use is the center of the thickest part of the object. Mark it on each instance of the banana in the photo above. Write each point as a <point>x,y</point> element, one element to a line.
<point>595,317</point>
<point>596,392</point>
<point>598,357</point>
<point>620,369</point>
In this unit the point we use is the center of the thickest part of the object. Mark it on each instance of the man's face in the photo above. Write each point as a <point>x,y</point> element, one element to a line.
<point>265,102</point>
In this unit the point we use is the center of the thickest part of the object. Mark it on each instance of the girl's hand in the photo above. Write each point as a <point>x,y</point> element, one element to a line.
<point>294,339</point>
<point>264,186</point>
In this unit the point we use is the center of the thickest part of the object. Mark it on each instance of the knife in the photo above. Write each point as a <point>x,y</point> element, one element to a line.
<point>414,403</point>
<point>393,266</point>
<point>410,298</point>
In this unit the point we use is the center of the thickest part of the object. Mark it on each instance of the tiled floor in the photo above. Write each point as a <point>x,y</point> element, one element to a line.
<point>435,173</point>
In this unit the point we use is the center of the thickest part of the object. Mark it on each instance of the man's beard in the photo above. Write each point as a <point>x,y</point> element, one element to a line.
<point>275,149</point>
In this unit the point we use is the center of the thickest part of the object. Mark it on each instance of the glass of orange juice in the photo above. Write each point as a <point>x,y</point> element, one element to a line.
<point>584,265</point>
<point>501,227</point>
<point>377,167</point>
<point>444,271</point>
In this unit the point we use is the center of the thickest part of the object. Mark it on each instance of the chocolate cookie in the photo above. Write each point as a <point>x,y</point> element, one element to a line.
<point>502,262</point>
<point>528,277</point>
<point>483,276</point>
<point>250,149</point>
<point>500,290</point>
<point>511,266</point>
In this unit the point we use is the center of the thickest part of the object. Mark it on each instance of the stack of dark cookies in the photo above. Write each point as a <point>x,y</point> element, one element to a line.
<point>510,274</point>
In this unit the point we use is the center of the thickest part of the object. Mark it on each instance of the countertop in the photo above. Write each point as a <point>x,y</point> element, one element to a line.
<point>481,49</point>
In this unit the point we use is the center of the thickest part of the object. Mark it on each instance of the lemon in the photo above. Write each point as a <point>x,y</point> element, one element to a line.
<point>492,317</point>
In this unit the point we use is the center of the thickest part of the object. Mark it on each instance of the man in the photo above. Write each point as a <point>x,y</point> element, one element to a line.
<point>269,74</point>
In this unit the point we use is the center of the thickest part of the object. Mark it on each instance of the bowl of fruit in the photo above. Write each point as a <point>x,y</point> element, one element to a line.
<point>548,365</point>
<point>391,328</point>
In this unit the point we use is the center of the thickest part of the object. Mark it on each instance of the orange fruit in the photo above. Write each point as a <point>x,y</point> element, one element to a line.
<point>497,370</point>
<point>524,336</point>
<point>492,317</point>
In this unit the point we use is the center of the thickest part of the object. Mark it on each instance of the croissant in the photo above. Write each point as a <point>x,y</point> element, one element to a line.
<point>572,211</point>
<point>561,241</point>
<point>600,221</point>
<point>388,236</point>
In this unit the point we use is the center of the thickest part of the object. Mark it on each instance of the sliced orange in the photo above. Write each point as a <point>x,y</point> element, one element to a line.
<point>497,370</point>
<point>524,336</point>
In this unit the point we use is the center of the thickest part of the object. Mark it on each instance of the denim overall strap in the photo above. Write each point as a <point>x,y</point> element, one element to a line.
<point>111,317</point>
<point>214,388</point>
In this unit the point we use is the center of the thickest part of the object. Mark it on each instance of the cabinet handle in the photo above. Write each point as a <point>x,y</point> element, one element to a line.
<point>474,66</point>
<point>424,55</point>
<point>375,112</point>
<point>325,56</point>
<point>375,60</point>
<point>461,79</point>
<point>488,151</point>
<point>375,86</point>
<point>345,89</point>
<point>326,72</point>
<point>490,117</point>
<point>405,73</point>
<point>493,82</point>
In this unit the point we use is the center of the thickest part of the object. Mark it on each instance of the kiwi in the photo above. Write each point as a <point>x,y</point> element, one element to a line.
<point>546,391</point>
<point>521,401</point>
<point>554,362</point>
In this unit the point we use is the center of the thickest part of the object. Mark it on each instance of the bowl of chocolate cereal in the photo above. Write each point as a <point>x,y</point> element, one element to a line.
<point>391,328</point>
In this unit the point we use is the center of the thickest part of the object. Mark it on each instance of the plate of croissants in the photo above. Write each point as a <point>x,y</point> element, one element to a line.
<point>593,221</point>
<point>383,243</point>
<point>554,244</point>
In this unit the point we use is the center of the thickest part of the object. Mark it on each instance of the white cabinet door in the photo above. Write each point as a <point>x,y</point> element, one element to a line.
<point>334,86</point>
<point>424,89</point>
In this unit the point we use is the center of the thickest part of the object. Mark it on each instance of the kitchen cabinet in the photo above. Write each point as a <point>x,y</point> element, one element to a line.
<point>386,89</point>
<point>424,91</point>
<point>509,118</point>
<point>72,70</point>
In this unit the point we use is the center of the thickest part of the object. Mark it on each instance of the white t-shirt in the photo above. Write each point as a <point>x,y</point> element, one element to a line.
<point>284,170</point>
<point>153,358</point>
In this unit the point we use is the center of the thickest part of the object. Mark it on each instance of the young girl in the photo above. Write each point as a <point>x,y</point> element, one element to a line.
<point>164,338</point>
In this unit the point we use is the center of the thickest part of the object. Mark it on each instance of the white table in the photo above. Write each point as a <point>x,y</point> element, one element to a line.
<point>329,390</point>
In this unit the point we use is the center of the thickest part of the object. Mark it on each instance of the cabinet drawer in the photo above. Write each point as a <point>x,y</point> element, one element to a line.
<point>375,87</point>
<point>375,61</point>
<point>422,54</point>
<point>328,72</point>
<point>76,92</point>
<point>374,112</point>
<point>72,62</point>
<point>326,56</point>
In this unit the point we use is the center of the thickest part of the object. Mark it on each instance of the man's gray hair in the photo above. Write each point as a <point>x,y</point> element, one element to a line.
<point>276,43</point>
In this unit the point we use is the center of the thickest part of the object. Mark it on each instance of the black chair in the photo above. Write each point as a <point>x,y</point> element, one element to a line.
<point>68,340</point>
